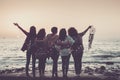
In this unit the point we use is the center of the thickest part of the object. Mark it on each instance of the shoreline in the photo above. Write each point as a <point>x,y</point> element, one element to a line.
<point>6,67</point>
<point>89,72</point>
<point>83,76</point>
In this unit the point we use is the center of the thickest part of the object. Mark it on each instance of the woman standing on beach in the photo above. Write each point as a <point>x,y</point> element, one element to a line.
<point>54,54</point>
<point>63,44</point>
<point>77,48</point>
<point>31,35</point>
<point>41,52</point>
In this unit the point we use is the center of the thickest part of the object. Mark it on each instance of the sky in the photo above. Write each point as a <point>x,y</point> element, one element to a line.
<point>104,15</point>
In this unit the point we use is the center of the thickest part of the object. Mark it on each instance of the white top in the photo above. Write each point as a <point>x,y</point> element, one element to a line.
<point>92,30</point>
<point>65,52</point>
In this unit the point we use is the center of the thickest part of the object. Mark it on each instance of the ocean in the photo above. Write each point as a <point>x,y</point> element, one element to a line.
<point>102,51</point>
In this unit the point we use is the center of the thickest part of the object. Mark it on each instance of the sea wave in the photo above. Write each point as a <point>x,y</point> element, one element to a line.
<point>101,52</point>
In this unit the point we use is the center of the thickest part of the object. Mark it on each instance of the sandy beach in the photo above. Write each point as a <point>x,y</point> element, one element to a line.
<point>71,76</point>
<point>88,73</point>
<point>100,63</point>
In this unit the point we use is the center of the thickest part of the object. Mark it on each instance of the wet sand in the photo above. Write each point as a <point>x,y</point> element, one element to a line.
<point>89,72</point>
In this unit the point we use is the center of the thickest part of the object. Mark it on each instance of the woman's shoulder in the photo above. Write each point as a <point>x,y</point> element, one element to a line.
<point>49,35</point>
<point>68,37</point>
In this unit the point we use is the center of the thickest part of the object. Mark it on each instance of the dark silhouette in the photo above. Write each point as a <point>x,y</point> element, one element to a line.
<point>54,54</point>
<point>77,48</point>
<point>64,43</point>
<point>41,52</point>
<point>29,41</point>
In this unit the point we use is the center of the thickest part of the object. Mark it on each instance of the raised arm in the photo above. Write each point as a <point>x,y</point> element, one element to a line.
<point>83,33</point>
<point>25,32</point>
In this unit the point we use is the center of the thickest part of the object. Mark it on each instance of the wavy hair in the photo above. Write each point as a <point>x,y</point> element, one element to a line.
<point>62,34</point>
<point>41,34</point>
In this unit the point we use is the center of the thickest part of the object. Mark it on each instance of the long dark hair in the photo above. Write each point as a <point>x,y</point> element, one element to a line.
<point>41,34</point>
<point>32,32</point>
<point>72,32</point>
<point>62,34</point>
<point>54,30</point>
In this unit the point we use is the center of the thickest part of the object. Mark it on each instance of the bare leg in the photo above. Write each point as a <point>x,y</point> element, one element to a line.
<point>33,64</point>
<point>28,56</point>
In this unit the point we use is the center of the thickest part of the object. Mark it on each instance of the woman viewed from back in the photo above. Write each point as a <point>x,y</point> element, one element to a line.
<point>31,35</point>
<point>77,48</point>
<point>54,54</point>
<point>63,44</point>
<point>41,52</point>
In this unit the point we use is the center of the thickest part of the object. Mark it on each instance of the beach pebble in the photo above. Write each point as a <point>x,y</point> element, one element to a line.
<point>118,66</point>
<point>13,70</point>
<point>109,63</point>
<point>7,71</point>
<point>90,73</point>
<point>100,70</point>
<point>18,70</point>
<point>2,71</point>
<point>88,69</point>
<point>7,66</point>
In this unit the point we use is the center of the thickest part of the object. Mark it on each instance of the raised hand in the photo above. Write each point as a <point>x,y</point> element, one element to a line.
<point>90,26</point>
<point>24,31</point>
<point>16,24</point>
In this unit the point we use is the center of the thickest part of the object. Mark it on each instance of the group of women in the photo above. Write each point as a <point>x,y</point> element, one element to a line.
<point>41,47</point>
